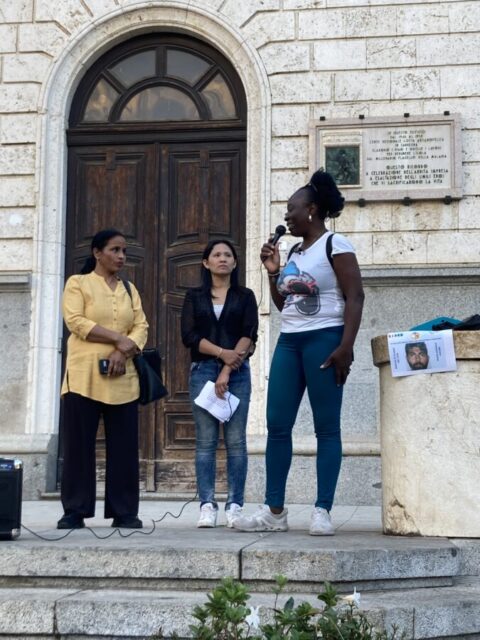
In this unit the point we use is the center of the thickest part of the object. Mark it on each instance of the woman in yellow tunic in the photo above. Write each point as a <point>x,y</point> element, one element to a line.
<point>107,328</point>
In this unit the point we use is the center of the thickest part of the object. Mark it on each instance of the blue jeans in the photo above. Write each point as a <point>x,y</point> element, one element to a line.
<point>207,430</point>
<point>296,365</point>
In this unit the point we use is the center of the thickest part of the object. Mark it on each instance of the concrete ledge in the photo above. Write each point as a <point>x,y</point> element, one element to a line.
<point>422,614</point>
<point>196,556</point>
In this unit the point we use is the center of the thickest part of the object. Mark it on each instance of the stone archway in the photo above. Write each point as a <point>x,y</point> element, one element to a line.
<point>43,402</point>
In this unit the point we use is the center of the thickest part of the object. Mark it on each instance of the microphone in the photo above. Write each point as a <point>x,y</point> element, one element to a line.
<point>279,232</point>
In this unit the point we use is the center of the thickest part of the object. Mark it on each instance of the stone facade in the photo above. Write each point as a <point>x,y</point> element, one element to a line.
<point>298,60</point>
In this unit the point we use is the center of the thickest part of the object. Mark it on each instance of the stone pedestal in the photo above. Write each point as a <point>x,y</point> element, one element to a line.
<point>430,445</point>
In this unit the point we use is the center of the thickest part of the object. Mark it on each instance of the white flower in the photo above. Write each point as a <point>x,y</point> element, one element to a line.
<point>354,598</point>
<point>253,619</point>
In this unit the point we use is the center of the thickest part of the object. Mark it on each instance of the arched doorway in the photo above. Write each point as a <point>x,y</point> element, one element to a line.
<point>156,144</point>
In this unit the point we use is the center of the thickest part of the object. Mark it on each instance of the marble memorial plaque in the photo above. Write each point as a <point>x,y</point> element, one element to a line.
<point>390,158</point>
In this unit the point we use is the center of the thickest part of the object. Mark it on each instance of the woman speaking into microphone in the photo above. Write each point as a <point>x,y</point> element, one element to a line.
<point>320,296</point>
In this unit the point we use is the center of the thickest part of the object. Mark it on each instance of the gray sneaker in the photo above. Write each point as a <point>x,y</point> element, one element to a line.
<point>262,520</point>
<point>321,523</point>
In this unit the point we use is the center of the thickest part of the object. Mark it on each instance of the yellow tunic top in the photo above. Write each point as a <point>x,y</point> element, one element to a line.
<point>88,301</point>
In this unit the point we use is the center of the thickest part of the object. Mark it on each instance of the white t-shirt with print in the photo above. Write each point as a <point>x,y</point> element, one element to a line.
<point>313,299</point>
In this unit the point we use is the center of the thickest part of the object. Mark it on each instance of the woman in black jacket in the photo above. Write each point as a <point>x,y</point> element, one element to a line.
<point>219,325</point>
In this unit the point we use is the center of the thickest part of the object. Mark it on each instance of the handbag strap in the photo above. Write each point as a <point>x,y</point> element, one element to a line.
<point>127,286</point>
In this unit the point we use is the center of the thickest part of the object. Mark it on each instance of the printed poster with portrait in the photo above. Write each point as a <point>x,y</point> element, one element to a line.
<point>414,352</point>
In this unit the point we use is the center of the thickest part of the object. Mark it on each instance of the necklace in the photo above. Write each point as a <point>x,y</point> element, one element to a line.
<point>304,248</point>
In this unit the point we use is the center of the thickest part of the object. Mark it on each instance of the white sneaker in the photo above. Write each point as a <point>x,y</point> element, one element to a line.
<point>262,520</point>
<point>232,513</point>
<point>321,523</point>
<point>208,516</point>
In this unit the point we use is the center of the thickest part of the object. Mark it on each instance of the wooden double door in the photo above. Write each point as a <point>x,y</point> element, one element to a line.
<point>169,199</point>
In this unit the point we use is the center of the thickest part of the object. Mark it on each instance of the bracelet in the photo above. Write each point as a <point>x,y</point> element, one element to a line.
<point>220,352</point>
<point>274,275</point>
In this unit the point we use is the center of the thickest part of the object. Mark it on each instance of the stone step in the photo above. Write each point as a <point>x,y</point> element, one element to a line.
<point>196,558</point>
<point>427,613</point>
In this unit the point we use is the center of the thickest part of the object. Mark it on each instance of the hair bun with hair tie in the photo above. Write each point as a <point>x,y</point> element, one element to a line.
<point>327,195</point>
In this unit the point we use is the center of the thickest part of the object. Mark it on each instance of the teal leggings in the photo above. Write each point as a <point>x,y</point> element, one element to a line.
<point>295,365</point>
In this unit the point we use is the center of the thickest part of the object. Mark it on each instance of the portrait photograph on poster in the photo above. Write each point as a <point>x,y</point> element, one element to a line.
<point>414,352</point>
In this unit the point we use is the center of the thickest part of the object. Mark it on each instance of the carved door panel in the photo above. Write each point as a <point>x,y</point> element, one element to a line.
<point>115,187</point>
<point>201,197</point>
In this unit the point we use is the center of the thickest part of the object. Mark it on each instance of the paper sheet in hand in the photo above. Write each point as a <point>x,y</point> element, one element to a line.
<point>222,409</point>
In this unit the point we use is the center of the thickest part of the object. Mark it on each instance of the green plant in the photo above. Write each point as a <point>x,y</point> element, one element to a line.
<point>226,616</point>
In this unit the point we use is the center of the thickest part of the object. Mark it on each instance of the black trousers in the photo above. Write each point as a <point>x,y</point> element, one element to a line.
<point>80,424</point>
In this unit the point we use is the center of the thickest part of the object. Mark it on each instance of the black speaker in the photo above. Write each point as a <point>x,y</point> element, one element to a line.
<point>11,475</point>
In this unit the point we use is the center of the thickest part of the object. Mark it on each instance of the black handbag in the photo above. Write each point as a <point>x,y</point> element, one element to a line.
<point>148,364</point>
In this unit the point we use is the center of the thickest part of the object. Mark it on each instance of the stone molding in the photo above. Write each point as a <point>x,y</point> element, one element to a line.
<point>420,276</point>
<point>308,446</point>
<point>14,281</point>
<point>27,443</point>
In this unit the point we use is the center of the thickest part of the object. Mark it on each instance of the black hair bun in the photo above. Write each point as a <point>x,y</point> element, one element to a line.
<point>327,195</point>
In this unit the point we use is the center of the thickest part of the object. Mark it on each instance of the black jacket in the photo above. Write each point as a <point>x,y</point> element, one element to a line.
<point>239,319</point>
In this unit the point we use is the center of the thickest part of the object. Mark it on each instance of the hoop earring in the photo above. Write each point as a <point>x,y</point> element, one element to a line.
<point>310,219</point>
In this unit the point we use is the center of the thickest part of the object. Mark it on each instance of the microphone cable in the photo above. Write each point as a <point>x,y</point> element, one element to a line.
<point>115,529</point>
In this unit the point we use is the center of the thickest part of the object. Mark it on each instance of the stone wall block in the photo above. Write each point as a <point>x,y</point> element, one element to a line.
<point>371,22</point>
<point>304,4</point>
<point>16,255</point>
<point>423,19</point>
<point>17,160</point>
<point>290,120</point>
<point>425,216</point>
<point>471,179</point>
<point>453,247</point>
<point>396,107</point>
<point>26,67</point>
<point>16,222</point>
<point>44,37</point>
<point>362,85</point>
<point>70,14</point>
<point>328,24</point>
<point>18,128</point>
<point>362,243</point>
<point>99,8</point>
<point>391,52</point>
<point>451,49</point>
<point>455,84</point>
<point>270,27</point>
<point>307,87</point>
<point>372,3</point>
<point>373,217</point>
<point>19,97</point>
<point>239,12</point>
<point>16,11</point>
<point>471,145</point>
<point>347,54</point>
<point>418,83</point>
<point>282,57</point>
<point>8,38</point>
<point>400,248</point>
<point>464,16</point>
<point>468,213</point>
<point>284,183</point>
<point>17,191</point>
<point>289,153</point>
<point>213,5</point>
